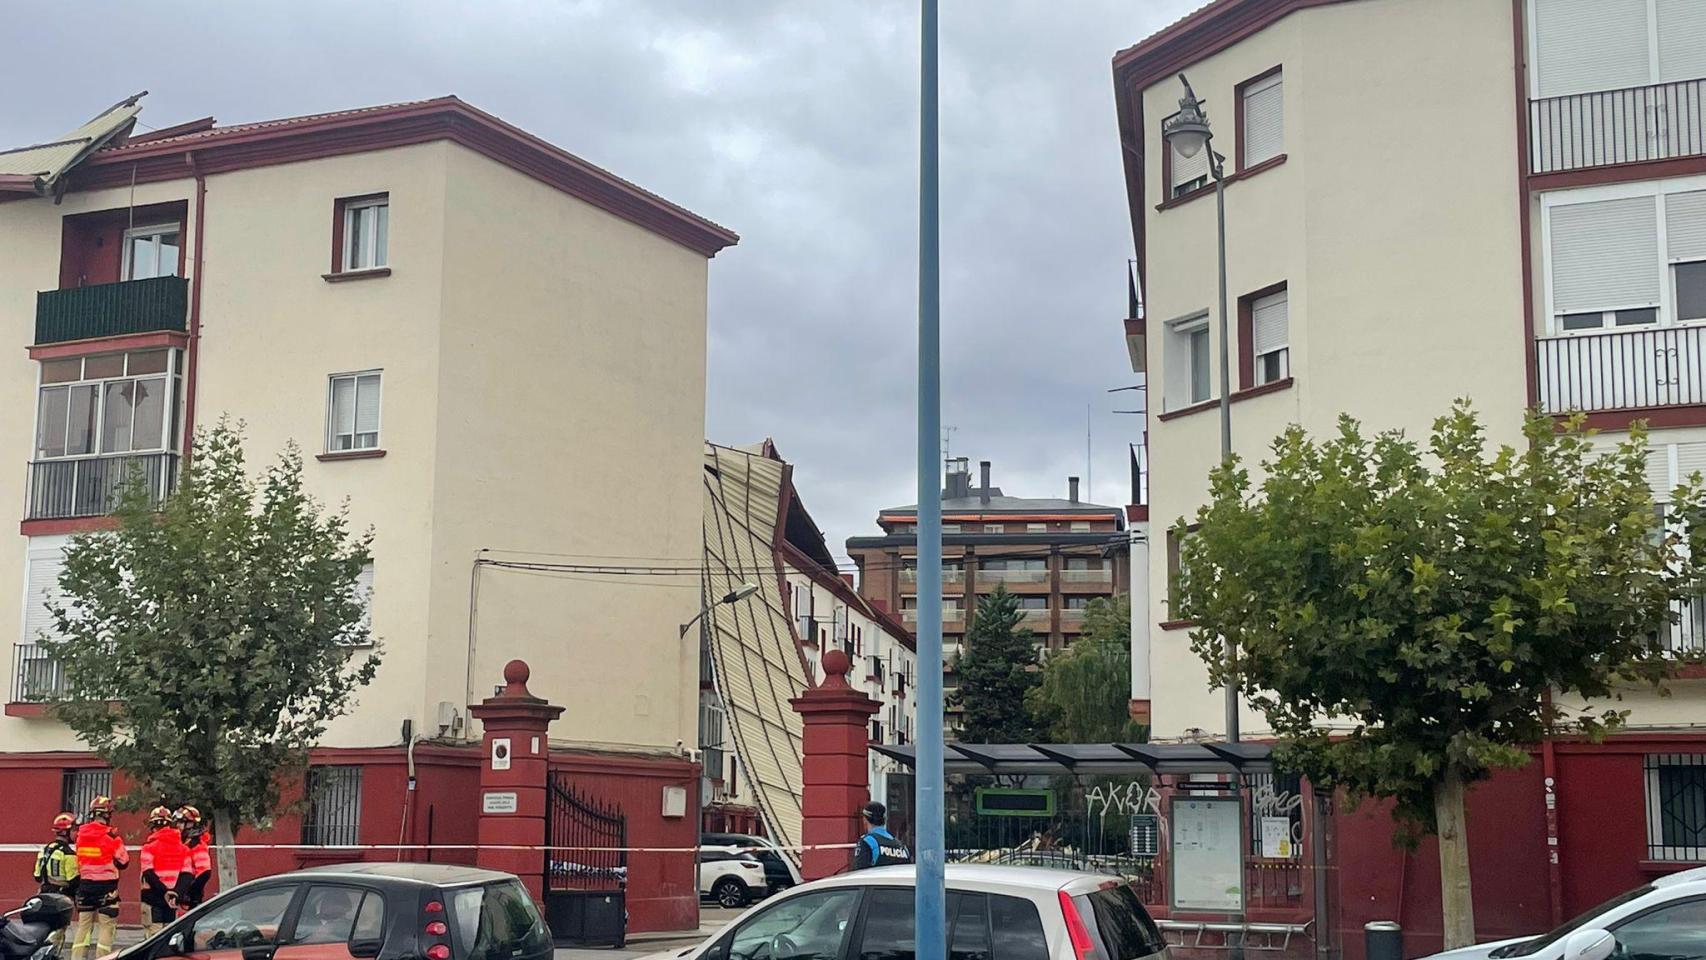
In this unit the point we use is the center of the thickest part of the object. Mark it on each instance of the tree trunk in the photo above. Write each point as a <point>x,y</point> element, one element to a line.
<point>224,854</point>
<point>1455,900</point>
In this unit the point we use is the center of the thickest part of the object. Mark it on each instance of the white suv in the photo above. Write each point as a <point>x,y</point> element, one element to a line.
<point>730,878</point>
<point>1033,913</point>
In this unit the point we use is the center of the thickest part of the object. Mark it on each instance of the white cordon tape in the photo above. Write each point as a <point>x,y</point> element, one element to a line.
<point>341,848</point>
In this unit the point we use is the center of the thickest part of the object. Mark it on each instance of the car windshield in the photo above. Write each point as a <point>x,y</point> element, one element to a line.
<point>1530,947</point>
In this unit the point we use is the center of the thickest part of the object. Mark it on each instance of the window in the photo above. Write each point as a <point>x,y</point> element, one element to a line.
<point>334,806</point>
<point>1018,928</point>
<point>1175,545</point>
<point>994,528</point>
<point>1607,266</point>
<point>950,528</point>
<point>1676,806</point>
<point>363,594</point>
<point>329,913</point>
<point>1078,603</point>
<point>364,228</point>
<point>1083,563</point>
<point>252,920</point>
<point>110,403</point>
<point>46,559</point>
<point>1583,46</point>
<point>1670,932</point>
<point>1184,174</point>
<point>1036,528</point>
<point>815,924</point>
<point>1186,364</point>
<point>497,920</point>
<point>1264,322</point>
<point>1033,603</point>
<point>80,787</point>
<point>1262,103</point>
<point>888,932</point>
<point>151,252</point>
<point>352,417</point>
<point>1685,249</point>
<point>1080,526</point>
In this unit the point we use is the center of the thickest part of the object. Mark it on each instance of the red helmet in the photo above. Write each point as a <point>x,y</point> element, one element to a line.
<point>188,814</point>
<point>101,805</point>
<point>159,815</point>
<point>64,821</point>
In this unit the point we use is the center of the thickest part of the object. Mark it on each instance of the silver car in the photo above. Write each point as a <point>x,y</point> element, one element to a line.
<point>1663,920</point>
<point>1033,913</point>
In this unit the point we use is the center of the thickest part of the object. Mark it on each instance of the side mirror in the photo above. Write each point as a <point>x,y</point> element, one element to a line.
<point>364,949</point>
<point>1592,944</point>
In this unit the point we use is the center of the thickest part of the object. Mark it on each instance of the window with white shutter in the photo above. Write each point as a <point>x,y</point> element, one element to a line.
<point>352,414</point>
<point>1186,363</point>
<point>41,585</point>
<point>1682,39</point>
<point>1263,136</point>
<point>1605,262</point>
<point>1270,326</point>
<point>1685,248</point>
<point>1582,46</point>
<point>1185,174</point>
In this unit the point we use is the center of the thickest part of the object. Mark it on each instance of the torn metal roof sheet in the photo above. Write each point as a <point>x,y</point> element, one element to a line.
<point>39,168</point>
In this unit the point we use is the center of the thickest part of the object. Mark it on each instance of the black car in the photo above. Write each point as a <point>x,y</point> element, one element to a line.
<point>382,911</point>
<point>779,872</point>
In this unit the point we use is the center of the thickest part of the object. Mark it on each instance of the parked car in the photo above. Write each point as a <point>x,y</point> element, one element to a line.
<point>361,911</point>
<point>730,879</point>
<point>779,871</point>
<point>1033,913</point>
<point>1662,920</point>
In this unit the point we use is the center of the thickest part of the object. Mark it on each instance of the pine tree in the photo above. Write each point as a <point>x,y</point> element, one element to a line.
<point>997,668</point>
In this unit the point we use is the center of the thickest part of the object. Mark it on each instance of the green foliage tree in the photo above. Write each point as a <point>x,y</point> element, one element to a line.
<point>207,643</point>
<point>1085,692</point>
<point>997,668</point>
<point>1439,604</point>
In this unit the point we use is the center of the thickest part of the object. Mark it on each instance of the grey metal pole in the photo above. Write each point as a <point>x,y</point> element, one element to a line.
<point>930,893</point>
<point>1225,395</point>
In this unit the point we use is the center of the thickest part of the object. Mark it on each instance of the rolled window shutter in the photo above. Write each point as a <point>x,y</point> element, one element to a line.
<point>1685,225</point>
<point>1690,459</point>
<point>1583,46</point>
<point>1605,255</point>
<point>343,405</point>
<point>1269,323</point>
<point>1184,171</point>
<point>1658,472</point>
<point>367,404</point>
<point>1682,40</point>
<point>42,582</point>
<point>1264,120</point>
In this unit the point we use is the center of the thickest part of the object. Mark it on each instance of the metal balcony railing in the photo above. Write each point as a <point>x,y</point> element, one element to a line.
<point>1013,576</point>
<point>36,677</point>
<point>112,309</point>
<point>1607,127</point>
<point>1686,639</point>
<point>1087,576</point>
<point>91,486</point>
<point>949,575</point>
<point>1623,369</point>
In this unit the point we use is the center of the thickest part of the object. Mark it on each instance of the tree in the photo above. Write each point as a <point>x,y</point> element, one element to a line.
<point>1435,603</point>
<point>206,644</point>
<point>1085,692</point>
<point>997,669</point>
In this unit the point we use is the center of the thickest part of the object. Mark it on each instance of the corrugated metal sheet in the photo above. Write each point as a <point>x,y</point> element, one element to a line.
<point>47,162</point>
<point>755,659</point>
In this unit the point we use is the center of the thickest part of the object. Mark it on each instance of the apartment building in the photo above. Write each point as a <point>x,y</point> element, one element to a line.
<point>1496,199</point>
<point>1055,554</point>
<point>473,335</point>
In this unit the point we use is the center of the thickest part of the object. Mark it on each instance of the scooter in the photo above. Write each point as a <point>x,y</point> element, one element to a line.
<point>24,932</point>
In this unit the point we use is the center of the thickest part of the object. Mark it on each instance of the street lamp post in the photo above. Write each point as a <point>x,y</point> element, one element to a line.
<point>1189,133</point>
<point>733,596</point>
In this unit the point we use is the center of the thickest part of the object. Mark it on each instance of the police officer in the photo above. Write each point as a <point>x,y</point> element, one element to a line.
<point>56,865</point>
<point>198,862</point>
<point>163,857</point>
<point>878,847</point>
<point>100,856</point>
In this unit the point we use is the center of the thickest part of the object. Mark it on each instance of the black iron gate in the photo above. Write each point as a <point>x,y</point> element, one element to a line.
<point>586,867</point>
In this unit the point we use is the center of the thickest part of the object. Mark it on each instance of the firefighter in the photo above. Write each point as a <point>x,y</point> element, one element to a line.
<point>163,858</point>
<point>56,865</point>
<point>878,847</point>
<point>198,863</point>
<point>101,854</point>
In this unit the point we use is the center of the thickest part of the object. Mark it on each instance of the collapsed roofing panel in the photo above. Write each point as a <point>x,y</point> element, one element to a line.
<point>755,661</point>
<point>40,168</point>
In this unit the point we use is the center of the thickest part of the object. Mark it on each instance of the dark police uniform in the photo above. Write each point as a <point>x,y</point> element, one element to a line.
<point>879,848</point>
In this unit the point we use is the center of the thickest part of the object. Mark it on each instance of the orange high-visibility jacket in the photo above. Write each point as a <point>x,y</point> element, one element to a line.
<point>100,852</point>
<point>163,858</point>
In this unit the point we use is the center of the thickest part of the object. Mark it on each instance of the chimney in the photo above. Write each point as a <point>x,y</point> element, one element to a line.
<point>958,483</point>
<point>983,491</point>
<point>1072,489</point>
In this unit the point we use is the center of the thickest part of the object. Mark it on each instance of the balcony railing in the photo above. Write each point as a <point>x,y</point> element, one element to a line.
<point>111,309</point>
<point>1102,576</point>
<point>949,575</point>
<point>1686,639</point>
<point>91,486</point>
<point>1012,576</point>
<point>1650,367</point>
<point>36,677</point>
<point>1608,127</point>
<point>1072,616</point>
<point>949,615</point>
<point>1034,618</point>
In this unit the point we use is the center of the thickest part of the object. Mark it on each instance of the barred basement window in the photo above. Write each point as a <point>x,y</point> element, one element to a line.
<point>334,806</point>
<point>82,786</point>
<point>1676,806</point>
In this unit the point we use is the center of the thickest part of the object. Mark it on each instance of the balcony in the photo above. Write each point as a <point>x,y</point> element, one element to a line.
<point>1072,618</point>
<point>112,309</point>
<point>90,486</point>
<point>909,575</point>
<point>36,678</point>
<point>1623,369</point>
<point>1035,619</point>
<point>1661,121</point>
<point>1686,639</point>
<point>1011,576</point>
<point>1087,578</point>
<point>950,614</point>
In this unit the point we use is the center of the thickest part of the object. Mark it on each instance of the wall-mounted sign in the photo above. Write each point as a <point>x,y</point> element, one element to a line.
<point>1276,838</point>
<point>1145,835</point>
<point>1208,858</point>
<point>500,753</point>
<point>498,803</point>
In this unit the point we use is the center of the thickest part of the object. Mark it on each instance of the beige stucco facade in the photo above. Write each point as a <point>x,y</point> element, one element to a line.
<point>543,370</point>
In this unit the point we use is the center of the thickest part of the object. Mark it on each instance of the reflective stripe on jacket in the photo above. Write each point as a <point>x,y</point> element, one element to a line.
<point>56,865</point>
<point>100,852</point>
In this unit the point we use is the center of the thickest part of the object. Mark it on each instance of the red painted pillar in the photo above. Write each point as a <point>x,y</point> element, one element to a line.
<point>837,768</point>
<point>512,778</point>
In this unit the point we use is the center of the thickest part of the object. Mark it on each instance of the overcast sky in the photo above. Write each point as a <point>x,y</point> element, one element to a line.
<point>793,123</point>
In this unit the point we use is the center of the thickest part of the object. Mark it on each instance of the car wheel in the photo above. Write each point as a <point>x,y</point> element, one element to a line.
<point>729,892</point>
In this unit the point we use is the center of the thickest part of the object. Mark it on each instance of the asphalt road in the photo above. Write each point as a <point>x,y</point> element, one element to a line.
<point>710,919</point>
